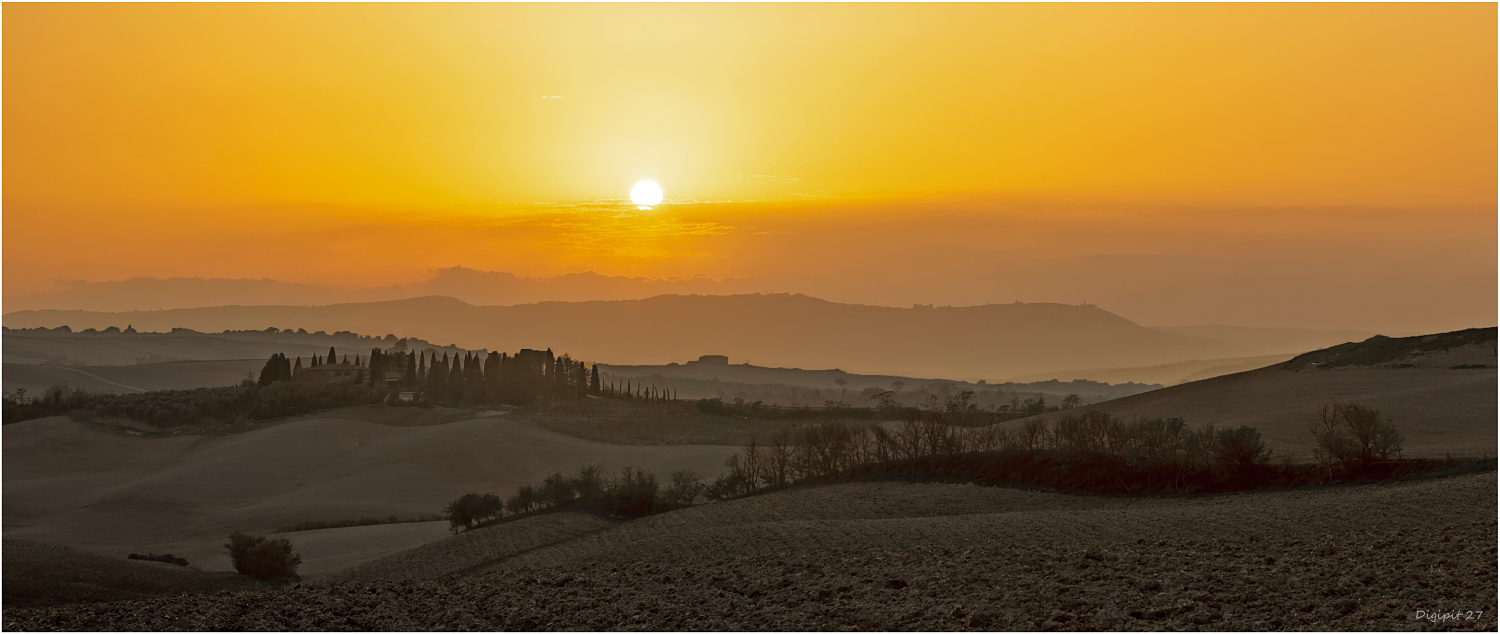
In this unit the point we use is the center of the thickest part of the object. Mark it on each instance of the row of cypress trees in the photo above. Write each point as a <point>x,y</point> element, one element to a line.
<point>470,379</point>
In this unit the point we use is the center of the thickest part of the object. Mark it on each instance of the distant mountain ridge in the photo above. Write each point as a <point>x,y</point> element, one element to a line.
<point>58,347</point>
<point>469,285</point>
<point>964,343</point>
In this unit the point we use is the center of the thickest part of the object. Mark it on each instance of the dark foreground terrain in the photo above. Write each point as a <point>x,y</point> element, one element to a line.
<point>1369,581</point>
<point>895,556</point>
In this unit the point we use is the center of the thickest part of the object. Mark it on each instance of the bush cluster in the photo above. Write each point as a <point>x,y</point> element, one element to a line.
<point>1352,437</point>
<point>473,508</point>
<point>630,493</point>
<point>263,558</point>
<point>163,408</point>
<point>1088,449</point>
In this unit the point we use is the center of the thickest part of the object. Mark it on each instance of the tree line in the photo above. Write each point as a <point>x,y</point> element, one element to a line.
<point>629,493</point>
<point>458,380</point>
<point>467,380</point>
<point>1090,450</point>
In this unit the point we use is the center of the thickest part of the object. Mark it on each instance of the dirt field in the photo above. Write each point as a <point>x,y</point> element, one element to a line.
<point>925,557</point>
<point>855,516</point>
<point>48,574</point>
<point>330,550</point>
<point>82,485</point>
<point>475,548</point>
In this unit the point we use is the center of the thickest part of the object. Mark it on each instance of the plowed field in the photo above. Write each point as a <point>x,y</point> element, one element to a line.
<point>893,556</point>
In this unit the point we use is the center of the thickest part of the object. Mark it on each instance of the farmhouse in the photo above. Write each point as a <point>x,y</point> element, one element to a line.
<point>334,372</point>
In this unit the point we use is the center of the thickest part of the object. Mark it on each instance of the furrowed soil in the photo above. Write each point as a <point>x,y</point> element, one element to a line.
<point>48,574</point>
<point>895,556</point>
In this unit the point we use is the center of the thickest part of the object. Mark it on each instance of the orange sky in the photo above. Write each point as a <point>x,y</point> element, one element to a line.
<point>362,144</point>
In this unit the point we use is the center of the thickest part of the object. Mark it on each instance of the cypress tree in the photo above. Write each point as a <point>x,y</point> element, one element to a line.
<point>269,372</point>
<point>594,380</point>
<point>474,376</point>
<point>333,357</point>
<point>456,383</point>
<point>492,377</point>
<point>285,366</point>
<point>437,378</point>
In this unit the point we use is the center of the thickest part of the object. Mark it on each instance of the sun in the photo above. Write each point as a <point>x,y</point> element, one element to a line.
<point>645,194</point>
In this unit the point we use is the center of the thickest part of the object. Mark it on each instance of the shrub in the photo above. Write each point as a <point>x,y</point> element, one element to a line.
<point>632,494</point>
<point>686,486</point>
<point>262,557</point>
<point>1353,436</point>
<point>720,488</point>
<point>1240,450</point>
<point>557,490</point>
<point>588,483</point>
<point>472,508</point>
<point>524,500</point>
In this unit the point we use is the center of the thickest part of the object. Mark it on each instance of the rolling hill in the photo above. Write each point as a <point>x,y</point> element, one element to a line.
<point>1269,341</point>
<point>110,379</point>
<point>970,343</point>
<point>114,491</point>
<point>1439,389</point>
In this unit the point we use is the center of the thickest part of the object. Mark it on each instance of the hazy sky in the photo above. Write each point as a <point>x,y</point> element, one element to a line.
<point>1322,161</point>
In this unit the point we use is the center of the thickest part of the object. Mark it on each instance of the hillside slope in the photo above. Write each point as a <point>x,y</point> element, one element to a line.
<point>114,379</point>
<point>1269,341</point>
<point>39,574</point>
<point>977,342</point>
<point>1439,389</point>
<point>86,486</point>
